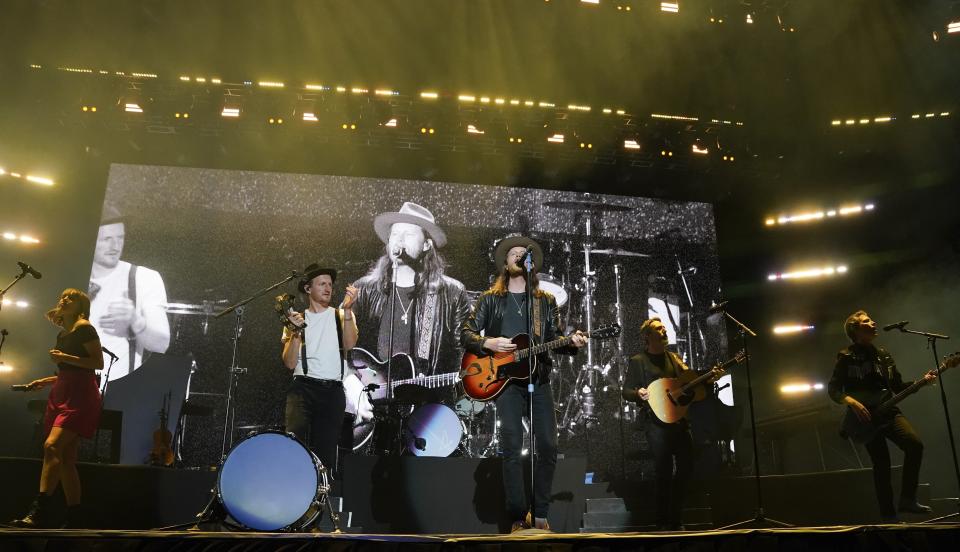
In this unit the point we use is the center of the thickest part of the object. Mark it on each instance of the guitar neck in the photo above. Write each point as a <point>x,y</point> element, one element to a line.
<point>708,374</point>
<point>543,347</point>
<point>438,380</point>
<point>892,401</point>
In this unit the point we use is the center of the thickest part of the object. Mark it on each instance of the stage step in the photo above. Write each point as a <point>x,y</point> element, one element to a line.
<point>605,505</point>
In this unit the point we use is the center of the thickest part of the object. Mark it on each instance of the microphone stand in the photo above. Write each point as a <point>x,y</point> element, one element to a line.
<point>528,265</point>
<point>4,291</point>
<point>759,517</point>
<point>932,344</point>
<point>235,370</point>
<point>387,400</point>
<point>103,401</point>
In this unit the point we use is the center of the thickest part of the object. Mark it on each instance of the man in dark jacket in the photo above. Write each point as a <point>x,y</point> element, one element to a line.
<point>501,313</point>
<point>862,370</point>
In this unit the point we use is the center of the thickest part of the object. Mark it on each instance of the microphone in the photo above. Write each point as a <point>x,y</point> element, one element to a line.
<point>527,257</point>
<point>19,388</point>
<point>109,352</point>
<point>718,307</point>
<point>27,269</point>
<point>420,443</point>
<point>897,326</point>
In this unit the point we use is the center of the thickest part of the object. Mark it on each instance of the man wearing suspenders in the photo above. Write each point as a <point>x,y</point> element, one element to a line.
<point>315,353</point>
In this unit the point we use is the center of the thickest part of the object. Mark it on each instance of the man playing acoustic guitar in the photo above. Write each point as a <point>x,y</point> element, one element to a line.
<point>862,370</point>
<point>671,443</point>
<point>502,311</point>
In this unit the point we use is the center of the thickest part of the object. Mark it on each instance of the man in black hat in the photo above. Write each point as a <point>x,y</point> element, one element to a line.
<point>126,301</point>
<point>428,306</point>
<point>315,352</point>
<point>501,313</point>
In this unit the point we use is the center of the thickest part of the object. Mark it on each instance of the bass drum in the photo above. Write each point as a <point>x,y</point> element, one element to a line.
<point>270,481</point>
<point>433,430</point>
<point>554,287</point>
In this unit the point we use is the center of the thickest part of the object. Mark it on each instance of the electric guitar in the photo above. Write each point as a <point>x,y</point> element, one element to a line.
<point>484,377</point>
<point>372,373</point>
<point>669,398</point>
<point>880,403</point>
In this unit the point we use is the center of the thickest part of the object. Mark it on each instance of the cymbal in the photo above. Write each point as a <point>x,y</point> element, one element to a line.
<point>595,206</point>
<point>620,252</point>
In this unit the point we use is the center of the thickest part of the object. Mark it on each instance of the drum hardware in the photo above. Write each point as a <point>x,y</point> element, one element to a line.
<point>270,481</point>
<point>235,370</point>
<point>433,430</point>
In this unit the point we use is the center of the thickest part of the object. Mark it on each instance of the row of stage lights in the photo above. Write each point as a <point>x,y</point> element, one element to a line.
<point>749,18</point>
<point>17,237</point>
<point>885,119</point>
<point>809,273</point>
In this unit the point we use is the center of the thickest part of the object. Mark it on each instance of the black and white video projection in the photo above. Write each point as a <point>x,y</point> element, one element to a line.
<point>202,239</point>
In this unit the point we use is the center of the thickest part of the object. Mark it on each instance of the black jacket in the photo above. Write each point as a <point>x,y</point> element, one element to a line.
<point>864,369</point>
<point>451,308</point>
<point>487,316</point>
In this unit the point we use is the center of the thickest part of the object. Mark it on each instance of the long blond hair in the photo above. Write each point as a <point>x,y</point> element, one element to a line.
<point>54,316</point>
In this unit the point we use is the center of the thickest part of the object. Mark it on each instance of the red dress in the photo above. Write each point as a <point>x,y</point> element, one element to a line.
<point>74,401</point>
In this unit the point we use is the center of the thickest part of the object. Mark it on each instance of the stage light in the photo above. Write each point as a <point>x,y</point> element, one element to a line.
<point>484,99</point>
<point>392,123</point>
<point>466,98</point>
<point>557,138</point>
<point>915,116</point>
<point>835,122</point>
<point>2,171</point>
<point>131,107</point>
<point>631,144</point>
<point>215,80</point>
<point>514,102</point>
<point>700,151</point>
<point>528,103</point>
<point>864,121</point>
<point>607,111</point>
<point>673,117</point>
<point>5,368</point>
<point>586,145</point>
<point>230,112</point>
<point>928,115</point>
<point>499,101</point>
<point>945,114</point>
<point>791,329</point>
<point>316,87</point>
<point>795,388</point>
<point>574,107</point>
<point>594,2</point>
<point>819,215</point>
<point>271,84</point>
<point>517,140</point>
<point>670,7</point>
<point>19,304</point>
<point>884,119</point>
<point>809,273</point>
<point>953,27</point>
<point>341,89</point>
<point>749,19</point>
<point>184,78</point>
<point>40,180</point>
<point>472,129</point>
<point>200,79</point>
<point>382,92</point>
<point>621,112</point>
<point>546,104</point>
<point>307,116</point>
<point>358,90</point>
<point>429,95</point>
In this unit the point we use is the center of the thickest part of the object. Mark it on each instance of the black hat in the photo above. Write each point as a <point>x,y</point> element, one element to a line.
<point>111,215</point>
<point>312,271</point>
<point>516,240</point>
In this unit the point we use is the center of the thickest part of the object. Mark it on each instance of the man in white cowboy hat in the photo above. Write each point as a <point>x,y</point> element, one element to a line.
<point>428,306</point>
<point>499,314</point>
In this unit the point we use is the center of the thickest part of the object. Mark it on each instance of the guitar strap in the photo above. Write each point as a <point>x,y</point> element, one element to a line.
<point>303,346</point>
<point>132,294</point>
<point>426,325</point>
<point>537,315</point>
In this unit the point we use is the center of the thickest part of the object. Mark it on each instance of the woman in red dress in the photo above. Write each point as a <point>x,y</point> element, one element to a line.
<point>73,408</point>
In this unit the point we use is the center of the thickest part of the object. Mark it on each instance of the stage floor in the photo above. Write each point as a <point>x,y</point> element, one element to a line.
<point>915,537</point>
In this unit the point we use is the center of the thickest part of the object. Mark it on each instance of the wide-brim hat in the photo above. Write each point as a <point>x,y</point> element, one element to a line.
<point>312,271</point>
<point>516,240</point>
<point>413,214</point>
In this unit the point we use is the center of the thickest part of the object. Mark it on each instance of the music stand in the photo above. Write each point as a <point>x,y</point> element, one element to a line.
<point>759,516</point>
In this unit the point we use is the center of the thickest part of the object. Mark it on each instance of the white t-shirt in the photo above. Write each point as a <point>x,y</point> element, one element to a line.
<point>323,348</point>
<point>151,297</point>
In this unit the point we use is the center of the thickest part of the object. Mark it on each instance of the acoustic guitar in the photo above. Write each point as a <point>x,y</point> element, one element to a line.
<point>880,404</point>
<point>670,398</point>
<point>485,376</point>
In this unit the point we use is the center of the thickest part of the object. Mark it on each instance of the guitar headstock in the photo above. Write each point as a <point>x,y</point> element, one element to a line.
<point>950,361</point>
<point>606,332</point>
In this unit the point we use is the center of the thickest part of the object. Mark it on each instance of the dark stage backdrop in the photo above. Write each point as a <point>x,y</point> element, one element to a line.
<point>219,236</point>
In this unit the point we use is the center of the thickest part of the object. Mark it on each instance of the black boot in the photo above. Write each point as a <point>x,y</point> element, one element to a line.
<point>39,516</point>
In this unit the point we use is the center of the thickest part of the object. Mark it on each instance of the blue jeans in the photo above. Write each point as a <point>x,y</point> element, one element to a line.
<point>512,405</point>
